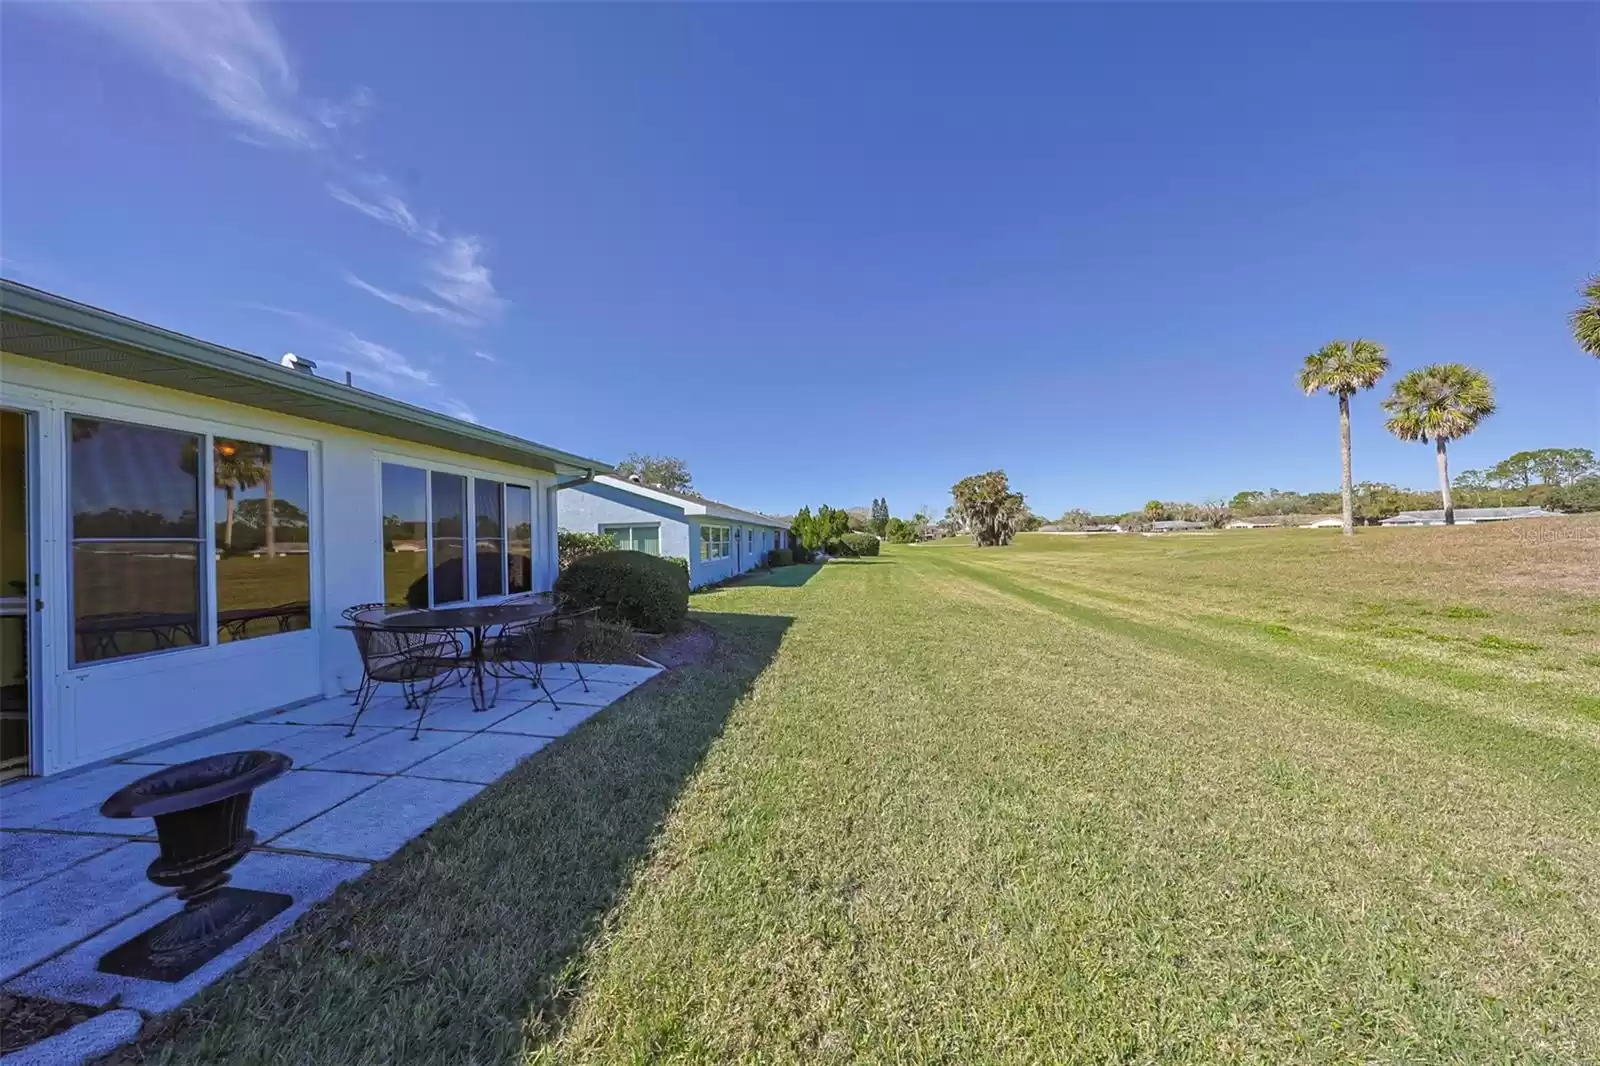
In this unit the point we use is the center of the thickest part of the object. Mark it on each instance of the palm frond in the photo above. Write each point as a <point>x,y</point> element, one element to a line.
<point>1586,319</point>
<point>1343,367</point>
<point>1445,401</point>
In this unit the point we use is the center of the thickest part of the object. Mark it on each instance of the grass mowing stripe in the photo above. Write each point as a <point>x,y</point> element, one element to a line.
<point>1556,763</point>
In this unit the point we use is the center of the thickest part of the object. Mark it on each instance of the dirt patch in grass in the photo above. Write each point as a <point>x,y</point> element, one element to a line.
<point>25,1020</point>
<point>694,643</point>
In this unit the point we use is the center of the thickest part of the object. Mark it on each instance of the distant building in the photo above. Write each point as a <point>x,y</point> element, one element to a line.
<point>1467,516</point>
<point>1177,527</point>
<point>1330,522</point>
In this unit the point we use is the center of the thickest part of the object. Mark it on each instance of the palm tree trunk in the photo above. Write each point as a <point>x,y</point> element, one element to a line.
<point>1444,482</point>
<point>1345,488</point>
<point>227,526</point>
<point>266,489</point>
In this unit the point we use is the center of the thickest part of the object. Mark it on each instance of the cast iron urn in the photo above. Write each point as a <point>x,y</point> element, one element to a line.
<point>201,809</point>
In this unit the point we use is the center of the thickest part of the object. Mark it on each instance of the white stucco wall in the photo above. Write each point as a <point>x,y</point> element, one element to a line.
<point>92,712</point>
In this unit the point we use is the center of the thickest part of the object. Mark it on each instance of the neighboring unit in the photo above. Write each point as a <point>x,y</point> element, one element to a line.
<point>1177,526</point>
<point>719,541</point>
<point>183,524</point>
<point>1466,516</point>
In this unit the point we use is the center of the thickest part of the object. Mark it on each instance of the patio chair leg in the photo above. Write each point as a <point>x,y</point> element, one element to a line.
<point>361,689</point>
<point>361,709</point>
<point>576,665</point>
<point>422,710</point>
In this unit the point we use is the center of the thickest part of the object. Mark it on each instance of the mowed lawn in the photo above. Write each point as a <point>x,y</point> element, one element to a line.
<point>1258,796</point>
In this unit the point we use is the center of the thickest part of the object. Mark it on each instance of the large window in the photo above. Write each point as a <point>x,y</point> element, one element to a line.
<point>489,521</point>
<point>713,542</point>
<point>645,539</point>
<point>148,574</point>
<point>136,539</point>
<point>426,517</point>
<point>519,539</point>
<point>405,535</point>
<point>449,528</point>
<point>261,508</point>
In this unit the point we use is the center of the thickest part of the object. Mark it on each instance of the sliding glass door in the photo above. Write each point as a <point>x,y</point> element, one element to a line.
<point>426,518</point>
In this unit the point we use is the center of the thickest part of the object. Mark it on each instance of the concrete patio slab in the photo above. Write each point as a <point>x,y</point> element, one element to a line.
<point>54,797</point>
<point>299,796</point>
<point>454,715</point>
<point>72,977</point>
<point>543,720</point>
<point>628,675</point>
<point>252,736</point>
<point>303,744</point>
<point>336,710</point>
<point>26,857</point>
<point>73,903</point>
<point>599,694</point>
<point>83,1042</point>
<point>375,824</point>
<point>482,758</point>
<point>391,753</point>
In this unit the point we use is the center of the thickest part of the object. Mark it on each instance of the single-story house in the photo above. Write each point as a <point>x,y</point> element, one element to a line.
<point>183,523</point>
<point>1254,523</point>
<point>1324,522</point>
<point>1177,526</point>
<point>1468,516</point>
<point>719,541</point>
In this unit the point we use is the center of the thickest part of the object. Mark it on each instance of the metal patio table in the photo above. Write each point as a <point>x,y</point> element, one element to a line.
<point>476,620</point>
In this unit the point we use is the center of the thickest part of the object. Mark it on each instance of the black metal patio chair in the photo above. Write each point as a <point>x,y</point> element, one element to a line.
<point>420,661</point>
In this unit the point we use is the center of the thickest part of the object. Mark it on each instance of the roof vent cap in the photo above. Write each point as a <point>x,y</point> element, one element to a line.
<point>297,364</point>
<point>636,479</point>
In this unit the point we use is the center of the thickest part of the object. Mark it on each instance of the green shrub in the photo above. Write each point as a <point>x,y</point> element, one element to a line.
<point>853,545</point>
<point>570,547</point>
<point>800,552</point>
<point>647,592</point>
<point>780,557</point>
<point>682,563</point>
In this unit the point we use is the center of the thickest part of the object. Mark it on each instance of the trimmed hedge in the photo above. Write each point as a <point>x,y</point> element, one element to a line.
<point>853,545</point>
<point>780,557</point>
<point>645,591</point>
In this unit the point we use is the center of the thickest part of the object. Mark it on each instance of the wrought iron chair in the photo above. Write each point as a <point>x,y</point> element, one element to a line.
<point>353,614</point>
<point>419,661</point>
<point>561,635</point>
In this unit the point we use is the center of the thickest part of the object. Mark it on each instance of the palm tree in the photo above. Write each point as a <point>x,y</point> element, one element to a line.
<point>1444,402</point>
<point>1344,368</point>
<point>235,466</point>
<point>1586,319</point>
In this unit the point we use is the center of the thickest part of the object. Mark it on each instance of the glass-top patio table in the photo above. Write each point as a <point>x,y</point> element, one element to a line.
<point>476,619</point>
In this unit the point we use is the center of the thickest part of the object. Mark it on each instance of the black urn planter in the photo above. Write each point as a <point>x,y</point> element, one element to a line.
<point>201,810</point>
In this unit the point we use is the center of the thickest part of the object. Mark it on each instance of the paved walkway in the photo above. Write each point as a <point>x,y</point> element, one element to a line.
<point>73,885</point>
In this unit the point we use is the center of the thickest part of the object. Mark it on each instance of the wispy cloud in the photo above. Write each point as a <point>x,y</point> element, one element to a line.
<point>386,360</point>
<point>229,53</point>
<point>461,279</point>
<point>414,304</point>
<point>456,409</point>
<point>232,56</point>
<point>487,357</point>
<point>388,209</point>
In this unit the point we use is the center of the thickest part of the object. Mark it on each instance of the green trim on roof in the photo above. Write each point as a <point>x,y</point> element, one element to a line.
<point>378,414</point>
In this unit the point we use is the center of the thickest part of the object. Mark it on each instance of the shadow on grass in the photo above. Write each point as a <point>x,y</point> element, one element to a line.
<point>792,576</point>
<point>467,946</point>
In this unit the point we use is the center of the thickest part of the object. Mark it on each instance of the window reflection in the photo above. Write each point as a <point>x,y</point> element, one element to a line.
<point>490,531</point>
<point>261,504</point>
<point>519,539</point>
<point>449,543</point>
<point>405,535</point>
<point>136,542</point>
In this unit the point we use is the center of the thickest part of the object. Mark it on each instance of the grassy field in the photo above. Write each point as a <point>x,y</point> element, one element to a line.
<point>1248,797</point>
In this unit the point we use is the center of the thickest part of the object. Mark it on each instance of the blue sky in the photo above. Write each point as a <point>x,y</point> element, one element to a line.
<point>827,253</point>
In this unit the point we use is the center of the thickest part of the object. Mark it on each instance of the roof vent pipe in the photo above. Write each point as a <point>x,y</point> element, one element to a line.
<point>636,479</point>
<point>297,364</point>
